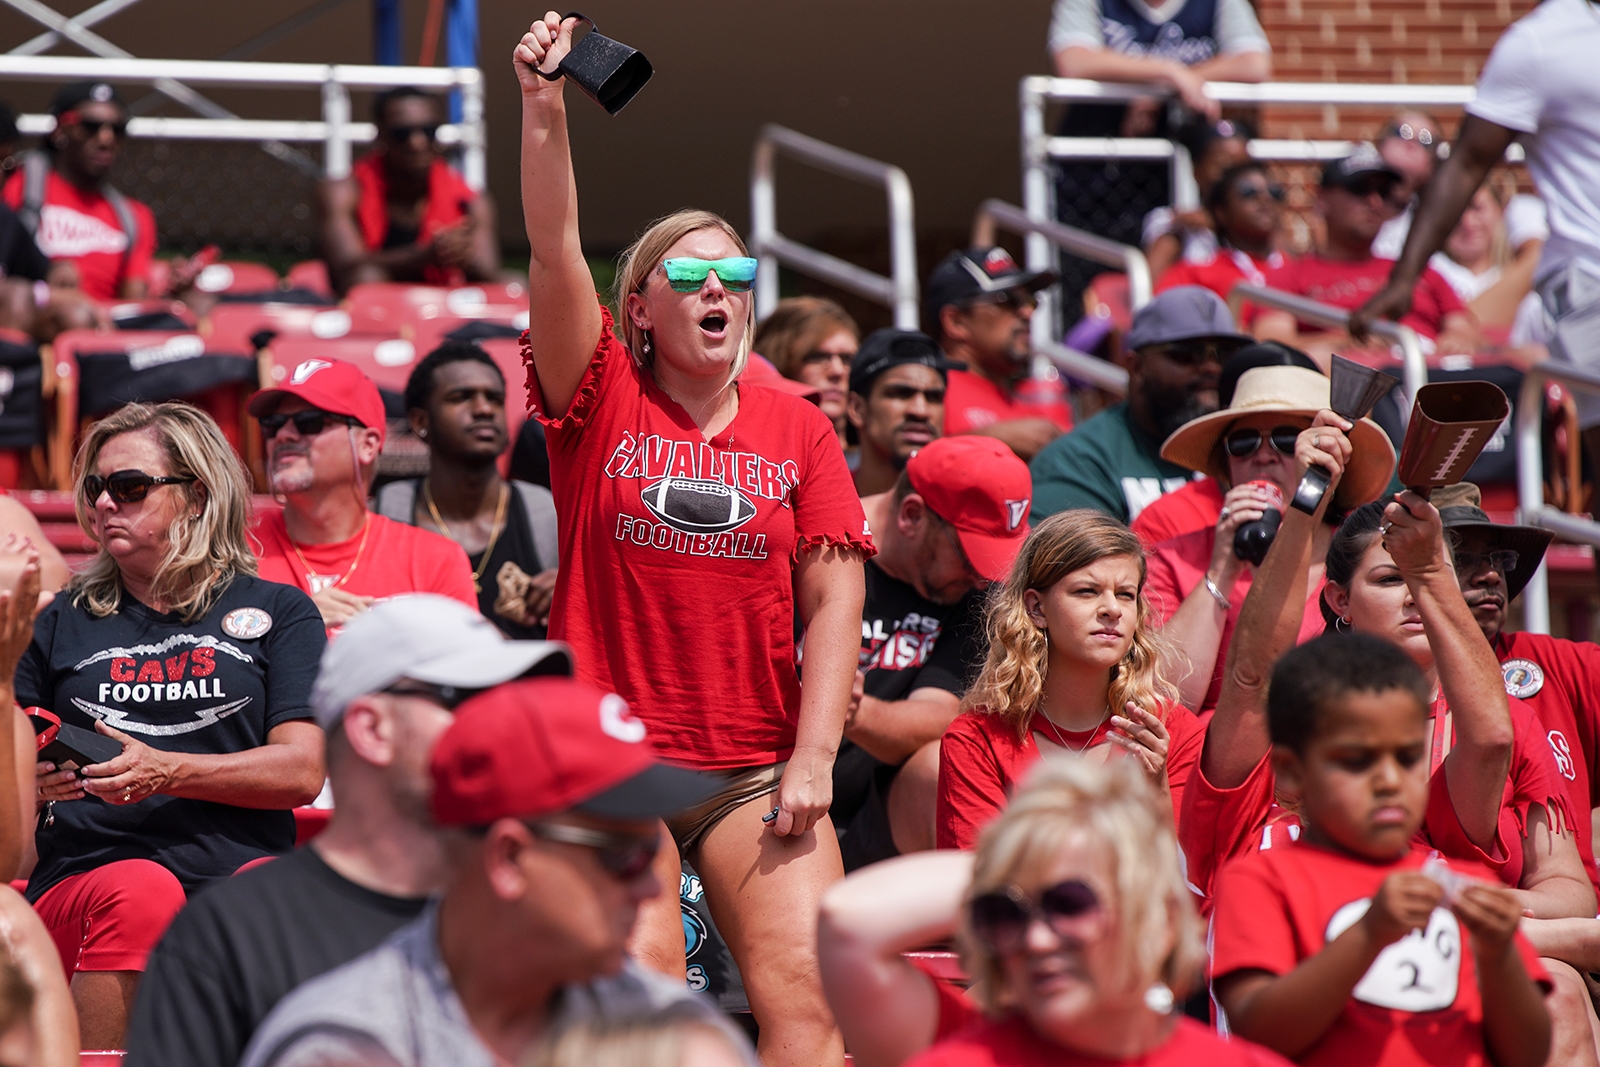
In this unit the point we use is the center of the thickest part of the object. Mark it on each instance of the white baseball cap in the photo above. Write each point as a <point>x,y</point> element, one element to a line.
<point>426,638</point>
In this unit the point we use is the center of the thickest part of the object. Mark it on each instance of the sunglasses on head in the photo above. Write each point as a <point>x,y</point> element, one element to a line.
<point>1407,132</point>
<point>1501,560</point>
<point>1250,192</point>
<point>1245,442</point>
<point>1001,918</point>
<point>306,423</point>
<point>448,697</point>
<point>127,487</point>
<point>405,133</point>
<point>624,856</point>
<point>686,274</point>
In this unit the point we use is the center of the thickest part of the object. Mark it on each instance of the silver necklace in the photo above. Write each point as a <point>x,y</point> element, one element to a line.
<point>1062,741</point>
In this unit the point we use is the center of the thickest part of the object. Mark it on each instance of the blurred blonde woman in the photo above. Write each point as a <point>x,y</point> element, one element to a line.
<point>197,676</point>
<point>1080,933</point>
<point>812,340</point>
<point>1073,667</point>
<point>697,520</point>
<point>669,1037</point>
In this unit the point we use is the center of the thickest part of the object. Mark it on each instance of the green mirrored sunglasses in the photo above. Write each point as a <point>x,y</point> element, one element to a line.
<point>737,273</point>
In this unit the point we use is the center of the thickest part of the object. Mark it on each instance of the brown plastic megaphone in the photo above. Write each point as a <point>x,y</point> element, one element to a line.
<point>1450,424</point>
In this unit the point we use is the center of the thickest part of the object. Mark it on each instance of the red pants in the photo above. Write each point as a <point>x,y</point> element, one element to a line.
<point>110,918</point>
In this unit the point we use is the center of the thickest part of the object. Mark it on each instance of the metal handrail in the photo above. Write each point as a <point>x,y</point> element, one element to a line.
<point>1097,249</point>
<point>1531,508</point>
<point>337,130</point>
<point>898,291</point>
<point>1414,365</point>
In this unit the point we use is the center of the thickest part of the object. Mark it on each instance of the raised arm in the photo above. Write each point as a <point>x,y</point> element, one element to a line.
<point>1469,673</point>
<point>886,1007</point>
<point>563,315</point>
<point>1269,622</point>
<point>1479,146</point>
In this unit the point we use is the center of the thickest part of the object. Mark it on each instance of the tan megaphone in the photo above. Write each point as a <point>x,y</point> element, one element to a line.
<point>1451,422</point>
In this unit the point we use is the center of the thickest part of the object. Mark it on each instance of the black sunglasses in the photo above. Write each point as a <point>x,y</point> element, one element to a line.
<point>405,133</point>
<point>1501,560</point>
<point>1192,353</point>
<point>306,423</point>
<point>1245,442</point>
<point>1250,192</point>
<point>127,487</point>
<point>1013,300</point>
<point>448,697</point>
<point>1001,918</point>
<point>625,857</point>
<point>92,127</point>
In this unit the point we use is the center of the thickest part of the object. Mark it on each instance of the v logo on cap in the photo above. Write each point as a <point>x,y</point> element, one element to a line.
<point>618,722</point>
<point>1016,511</point>
<point>305,370</point>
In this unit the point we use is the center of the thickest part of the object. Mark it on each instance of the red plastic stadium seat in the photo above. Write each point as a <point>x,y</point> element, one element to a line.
<point>311,275</point>
<point>309,822</point>
<point>391,307</point>
<point>232,325</point>
<point>385,358</point>
<point>237,276</point>
<point>59,520</point>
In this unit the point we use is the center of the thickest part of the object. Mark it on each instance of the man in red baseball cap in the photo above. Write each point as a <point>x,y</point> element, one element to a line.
<point>951,525</point>
<point>558,803</point>
<point>323,430</point>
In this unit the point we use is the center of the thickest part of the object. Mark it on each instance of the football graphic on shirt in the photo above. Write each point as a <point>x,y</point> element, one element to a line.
<point>697,505</point>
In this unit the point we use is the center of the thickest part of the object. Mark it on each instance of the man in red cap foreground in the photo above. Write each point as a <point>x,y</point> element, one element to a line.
<point>951,525</point>
<point>323,430</point>
<point>556,804</point>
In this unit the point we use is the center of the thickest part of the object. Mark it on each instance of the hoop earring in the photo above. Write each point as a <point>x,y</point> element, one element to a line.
<point>1342,624</point>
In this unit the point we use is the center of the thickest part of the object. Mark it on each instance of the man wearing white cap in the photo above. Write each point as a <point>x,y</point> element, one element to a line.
<point>385,692</point>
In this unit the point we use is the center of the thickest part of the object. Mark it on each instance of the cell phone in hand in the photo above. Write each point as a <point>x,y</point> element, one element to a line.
<point>70,748</point>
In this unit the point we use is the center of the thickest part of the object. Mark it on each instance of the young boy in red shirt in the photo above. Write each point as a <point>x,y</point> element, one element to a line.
<point>1352,945</point>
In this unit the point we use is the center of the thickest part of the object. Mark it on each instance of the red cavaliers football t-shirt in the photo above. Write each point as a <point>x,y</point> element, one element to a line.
<point>397,558</point>
<point>981,761</point>
<point>81,225</point>
<point>677,554</point>
<point>1560,681</point>
<point>1418,1003</point>
<point>1011,1042</point>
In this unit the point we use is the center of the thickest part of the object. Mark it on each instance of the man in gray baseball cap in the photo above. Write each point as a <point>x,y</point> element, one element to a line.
<point>1174,352</point>
<point>387,688</point>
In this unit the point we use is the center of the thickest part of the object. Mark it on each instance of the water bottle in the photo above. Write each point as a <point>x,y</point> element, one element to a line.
<point>1251,541</point>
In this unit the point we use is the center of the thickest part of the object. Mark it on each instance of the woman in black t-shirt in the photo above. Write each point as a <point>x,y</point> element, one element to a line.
<point>169,645</point>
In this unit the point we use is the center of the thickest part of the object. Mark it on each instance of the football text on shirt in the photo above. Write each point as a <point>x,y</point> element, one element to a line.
<point>907,645</point>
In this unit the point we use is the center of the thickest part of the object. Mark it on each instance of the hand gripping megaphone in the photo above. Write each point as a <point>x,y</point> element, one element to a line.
<point>1353,390</point>
<point>1451,422</point>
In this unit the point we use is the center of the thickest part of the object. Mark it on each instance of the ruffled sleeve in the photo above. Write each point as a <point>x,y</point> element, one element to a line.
<point>827,509</point>
<point>609,353</point>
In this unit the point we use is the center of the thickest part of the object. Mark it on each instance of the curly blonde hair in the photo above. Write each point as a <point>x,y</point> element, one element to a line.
<point>1116,804</point>
<point>1012,680</point>
<point>641,259</point>
<point>204,553</point>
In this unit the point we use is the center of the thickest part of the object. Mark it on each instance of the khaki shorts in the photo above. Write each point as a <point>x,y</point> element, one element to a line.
<point>740,787</point>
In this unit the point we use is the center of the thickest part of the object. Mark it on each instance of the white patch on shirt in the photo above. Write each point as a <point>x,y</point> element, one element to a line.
<point>68,234</point>
<point>1420,972</point>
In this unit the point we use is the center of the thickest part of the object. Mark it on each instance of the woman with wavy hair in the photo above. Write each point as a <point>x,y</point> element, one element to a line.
<point>195,674</point>
<point>812,340</point>
<point>1073,667</point>
<point>698,518</point>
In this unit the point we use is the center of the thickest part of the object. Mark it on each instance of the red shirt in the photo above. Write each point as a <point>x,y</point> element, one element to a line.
<point>972,403</point>
<point>396,559</point>
<point>981,761</point>
<point>1560,681</point>
<point>1349,285</point>
<point>449,197</point>
<point>1194,507</point>
<point>1227,268</point>
<point>80,225</point>
<point>1178,566</point>
<point>1417,1005</point>
<point>1011,1042</point>
<point>1218,825</point>
<point>677,554</point>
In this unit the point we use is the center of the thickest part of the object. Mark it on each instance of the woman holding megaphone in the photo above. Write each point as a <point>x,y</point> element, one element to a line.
<point>698,515</point>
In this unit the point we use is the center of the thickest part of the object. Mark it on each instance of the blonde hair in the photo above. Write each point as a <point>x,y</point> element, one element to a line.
<point>647,1039</point>
<point>204,553</point>
<point>1012,680</point>
<point>796,327</point>
<point>643,257</point>
<point>1117,806</point>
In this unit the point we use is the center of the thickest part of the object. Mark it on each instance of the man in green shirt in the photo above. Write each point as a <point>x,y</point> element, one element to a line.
<point>1113,463</point>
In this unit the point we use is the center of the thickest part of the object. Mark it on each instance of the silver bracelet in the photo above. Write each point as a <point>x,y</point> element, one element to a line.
<point>1216,594</point>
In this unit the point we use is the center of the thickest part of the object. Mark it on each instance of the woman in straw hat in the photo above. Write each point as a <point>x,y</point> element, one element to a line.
<point>1198,581</point>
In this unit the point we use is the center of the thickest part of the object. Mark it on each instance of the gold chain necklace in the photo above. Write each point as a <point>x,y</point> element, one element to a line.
<point>494,532</point>
<point>366,528</point>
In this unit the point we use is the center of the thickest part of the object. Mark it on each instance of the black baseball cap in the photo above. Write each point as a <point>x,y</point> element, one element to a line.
<point>1364,162</point>
<point>887,348</point>
<point>1264,354</point>
<point>76,93</point>
<point>978,272</point>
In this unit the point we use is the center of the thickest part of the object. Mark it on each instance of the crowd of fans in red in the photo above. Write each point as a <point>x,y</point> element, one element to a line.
<point>861,642</point>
